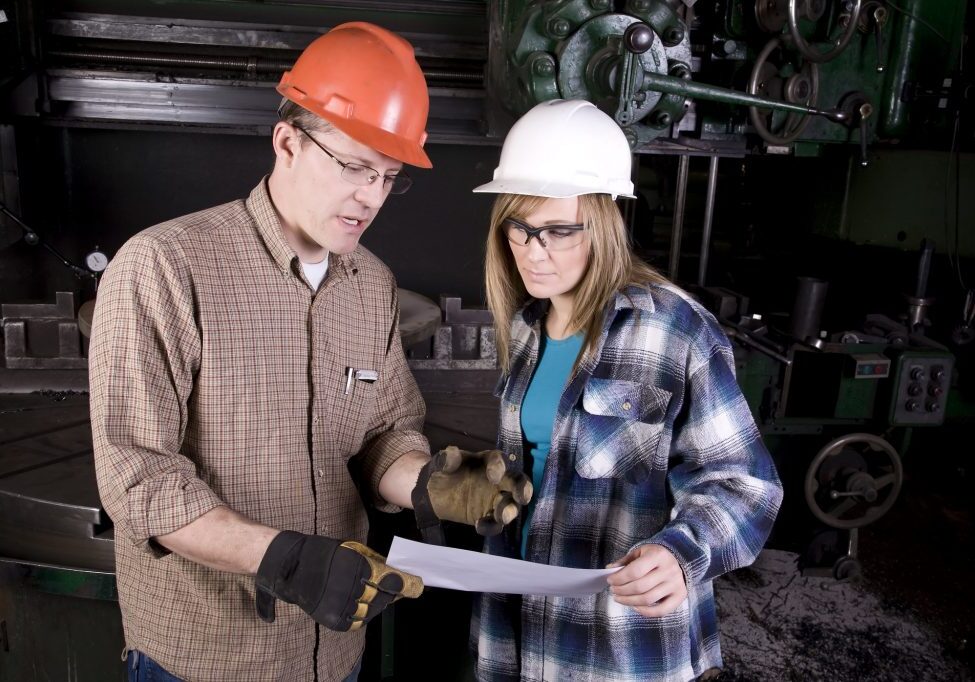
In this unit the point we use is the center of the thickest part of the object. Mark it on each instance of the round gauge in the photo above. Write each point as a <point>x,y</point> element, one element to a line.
<point>96,261</point>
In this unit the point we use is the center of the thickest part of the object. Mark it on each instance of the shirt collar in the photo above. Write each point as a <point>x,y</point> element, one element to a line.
<point>265,215</point>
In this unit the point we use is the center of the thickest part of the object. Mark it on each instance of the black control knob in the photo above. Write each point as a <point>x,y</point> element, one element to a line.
<point>937,372</point>
<point>912,406</point>
<point>932,406</point>
<point>638,38</point>
<point>915,388</point>
<point>917,373</point>
<point>935,390</point>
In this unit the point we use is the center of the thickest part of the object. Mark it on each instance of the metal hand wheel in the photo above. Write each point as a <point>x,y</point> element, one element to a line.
<point>801,86</point>
<point>813,54</point>
<point>853,480</point>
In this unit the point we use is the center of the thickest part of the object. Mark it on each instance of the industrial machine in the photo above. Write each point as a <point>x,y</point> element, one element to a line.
<point>117,115</point>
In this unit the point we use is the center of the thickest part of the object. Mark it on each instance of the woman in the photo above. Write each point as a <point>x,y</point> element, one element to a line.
<point>619,392</point>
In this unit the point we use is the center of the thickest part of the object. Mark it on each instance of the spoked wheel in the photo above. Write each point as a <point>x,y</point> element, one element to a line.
<point>780,75</point>
<point>853,480</point>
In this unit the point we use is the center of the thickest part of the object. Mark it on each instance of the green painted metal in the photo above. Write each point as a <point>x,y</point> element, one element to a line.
<point>686,88</point>
<point>926,44</point>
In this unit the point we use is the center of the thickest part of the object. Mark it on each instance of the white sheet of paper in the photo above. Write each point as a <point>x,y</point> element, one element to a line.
<point>460,569</point>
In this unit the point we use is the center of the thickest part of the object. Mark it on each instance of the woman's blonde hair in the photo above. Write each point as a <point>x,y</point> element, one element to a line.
<point>612,267</point>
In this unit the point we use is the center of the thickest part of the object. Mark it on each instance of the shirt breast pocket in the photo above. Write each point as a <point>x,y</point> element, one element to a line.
<point>619,429</point>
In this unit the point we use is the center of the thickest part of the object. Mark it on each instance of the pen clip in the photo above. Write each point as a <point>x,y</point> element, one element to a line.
<point>349,374</point>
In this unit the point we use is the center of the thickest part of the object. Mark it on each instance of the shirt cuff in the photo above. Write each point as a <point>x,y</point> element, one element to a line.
<point>693,560</point>
<point>381,454</point>
<point>164,504</point>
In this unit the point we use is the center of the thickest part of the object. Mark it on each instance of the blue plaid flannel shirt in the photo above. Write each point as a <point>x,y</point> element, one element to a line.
<point>653,442</point>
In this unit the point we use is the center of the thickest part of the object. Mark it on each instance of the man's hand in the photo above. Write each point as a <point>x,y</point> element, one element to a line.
<point>651,581</point>
<point>476,488</point>
<point>342,585</point>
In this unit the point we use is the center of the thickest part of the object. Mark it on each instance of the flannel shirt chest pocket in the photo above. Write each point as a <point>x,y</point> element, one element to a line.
<point>619,429</point>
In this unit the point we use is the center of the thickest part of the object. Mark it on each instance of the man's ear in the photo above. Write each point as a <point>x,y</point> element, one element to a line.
<point>285,140</point>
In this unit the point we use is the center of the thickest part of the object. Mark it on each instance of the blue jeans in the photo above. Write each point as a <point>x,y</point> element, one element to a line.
<point>143,669</point>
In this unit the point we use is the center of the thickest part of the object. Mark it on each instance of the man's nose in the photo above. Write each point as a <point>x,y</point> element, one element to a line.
<point>372,195</point>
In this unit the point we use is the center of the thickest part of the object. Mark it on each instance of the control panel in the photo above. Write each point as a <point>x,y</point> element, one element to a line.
<point>920,389</point>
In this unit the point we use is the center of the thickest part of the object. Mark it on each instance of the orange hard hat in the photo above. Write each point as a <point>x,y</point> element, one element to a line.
<point>366,82</point>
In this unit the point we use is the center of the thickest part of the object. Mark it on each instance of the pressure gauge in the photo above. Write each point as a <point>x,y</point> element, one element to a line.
<point>96,261</point>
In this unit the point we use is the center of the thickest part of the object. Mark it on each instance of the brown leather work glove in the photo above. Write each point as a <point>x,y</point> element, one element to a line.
<point>342,585</point>
<point>480,489</point>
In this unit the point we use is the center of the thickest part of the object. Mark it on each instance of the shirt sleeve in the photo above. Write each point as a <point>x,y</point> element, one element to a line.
<point>725,490</point>
<point>144,353</point>
<point>398,420</point>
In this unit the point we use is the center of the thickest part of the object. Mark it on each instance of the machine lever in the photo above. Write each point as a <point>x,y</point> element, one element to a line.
<point>879,19</point>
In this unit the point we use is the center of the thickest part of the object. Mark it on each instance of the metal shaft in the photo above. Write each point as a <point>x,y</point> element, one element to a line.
<point>702,268</point>
<point>684,88</point>
<point>677,227</point>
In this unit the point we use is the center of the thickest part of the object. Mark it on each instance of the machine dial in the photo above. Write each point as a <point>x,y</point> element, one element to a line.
<point>96,261</point>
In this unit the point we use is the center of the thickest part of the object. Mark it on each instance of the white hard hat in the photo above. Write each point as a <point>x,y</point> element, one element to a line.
<point>563,148</point>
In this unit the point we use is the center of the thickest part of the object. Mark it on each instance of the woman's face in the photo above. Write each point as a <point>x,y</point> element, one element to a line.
<point>551,270</point>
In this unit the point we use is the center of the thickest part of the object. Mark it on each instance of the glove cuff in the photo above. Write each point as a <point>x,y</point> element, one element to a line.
<point>426,519</point>
<point>278,562</point>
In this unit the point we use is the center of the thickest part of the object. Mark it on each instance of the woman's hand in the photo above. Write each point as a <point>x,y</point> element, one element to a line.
<point>651,581</point>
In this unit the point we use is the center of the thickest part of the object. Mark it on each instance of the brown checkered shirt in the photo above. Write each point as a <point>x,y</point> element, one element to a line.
<point>219,377</point>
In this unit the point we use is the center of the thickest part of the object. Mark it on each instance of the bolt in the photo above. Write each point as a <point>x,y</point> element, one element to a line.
<point>599,5</point>
<point>660,119</point>
<point>673,35</point>
<point>543,66</point>
<point>727,47</point>
<point>639,96</point>
<point>631,137</point>
<point>680,70</point>
<point>641,5</point>
<point>559,27</point>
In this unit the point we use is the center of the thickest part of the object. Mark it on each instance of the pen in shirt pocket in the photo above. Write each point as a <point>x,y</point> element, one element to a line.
<point>366,375</point>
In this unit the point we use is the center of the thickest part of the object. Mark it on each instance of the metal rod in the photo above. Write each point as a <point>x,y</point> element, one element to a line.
<point>684,88</point>
<point>247,64</point>
<point>702,268</point>
<point>677,226</point>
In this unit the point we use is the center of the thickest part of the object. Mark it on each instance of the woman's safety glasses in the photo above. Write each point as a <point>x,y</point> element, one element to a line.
<point>551,237</point>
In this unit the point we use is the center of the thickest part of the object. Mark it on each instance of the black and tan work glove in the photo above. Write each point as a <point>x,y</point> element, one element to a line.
<point>481,489</point>
<point>342,585</point>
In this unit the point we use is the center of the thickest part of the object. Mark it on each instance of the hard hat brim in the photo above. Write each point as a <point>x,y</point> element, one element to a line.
<point>552,190</point>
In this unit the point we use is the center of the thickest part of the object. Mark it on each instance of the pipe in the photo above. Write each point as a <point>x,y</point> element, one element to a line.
<point>702,269</point>
<point>677,227</point>
<point>807,311</point>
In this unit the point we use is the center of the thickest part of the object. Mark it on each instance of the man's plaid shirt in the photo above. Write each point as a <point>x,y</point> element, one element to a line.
<point>653,442</point>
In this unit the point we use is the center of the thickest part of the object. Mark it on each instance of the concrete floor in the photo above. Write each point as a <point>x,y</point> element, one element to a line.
<point>778,625</point>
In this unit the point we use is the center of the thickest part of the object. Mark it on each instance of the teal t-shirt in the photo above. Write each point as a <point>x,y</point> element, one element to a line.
<point>538,408</point>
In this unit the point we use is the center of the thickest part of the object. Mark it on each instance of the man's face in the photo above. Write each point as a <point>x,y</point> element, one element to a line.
<point>326,211</point>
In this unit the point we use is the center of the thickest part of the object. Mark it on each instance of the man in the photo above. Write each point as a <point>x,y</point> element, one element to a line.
<point>241,357</point>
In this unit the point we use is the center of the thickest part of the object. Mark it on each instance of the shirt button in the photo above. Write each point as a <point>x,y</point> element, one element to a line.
<point>513,408</point>
<point>321,473</point>
<point>627,405</point>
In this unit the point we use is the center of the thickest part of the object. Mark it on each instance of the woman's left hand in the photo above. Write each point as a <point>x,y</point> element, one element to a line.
<point>651,581</point>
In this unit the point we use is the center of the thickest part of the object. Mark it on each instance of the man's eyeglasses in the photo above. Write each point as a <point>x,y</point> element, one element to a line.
<point>551,237</point>
<point>361,175</point>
